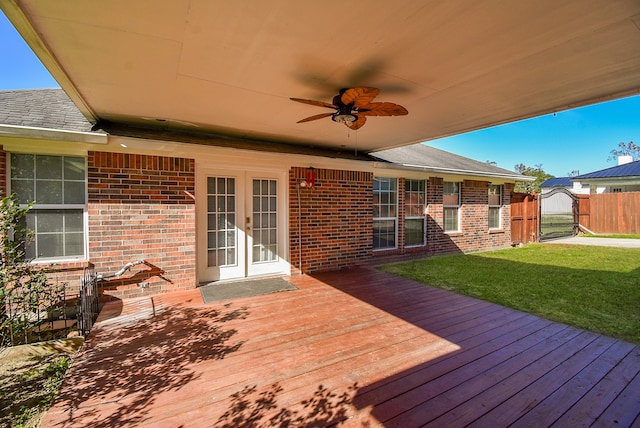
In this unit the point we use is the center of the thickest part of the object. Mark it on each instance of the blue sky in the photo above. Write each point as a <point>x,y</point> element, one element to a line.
<point>579,139</point>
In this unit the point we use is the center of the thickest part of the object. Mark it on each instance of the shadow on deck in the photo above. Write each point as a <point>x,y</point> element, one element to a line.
<point>351,348</point>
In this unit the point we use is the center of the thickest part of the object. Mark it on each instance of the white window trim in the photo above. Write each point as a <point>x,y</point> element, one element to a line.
<point>458,208</point>
<point>84,207</point>
<point>422,217</point>
<point>395,219</point>
<point>499,206</point>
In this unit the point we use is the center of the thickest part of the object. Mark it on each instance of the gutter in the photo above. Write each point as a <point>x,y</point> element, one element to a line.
<point>53,134</point>
<point>442,170</point>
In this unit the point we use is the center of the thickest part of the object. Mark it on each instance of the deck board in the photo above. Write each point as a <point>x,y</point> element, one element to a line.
<point>348,348</point>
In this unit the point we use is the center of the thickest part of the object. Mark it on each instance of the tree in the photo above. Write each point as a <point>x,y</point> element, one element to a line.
<point>625,149</point>
<point>25,292</point>
<point>531,186</point>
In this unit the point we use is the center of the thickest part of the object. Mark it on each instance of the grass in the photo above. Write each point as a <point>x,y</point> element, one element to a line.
<point>592,288</point>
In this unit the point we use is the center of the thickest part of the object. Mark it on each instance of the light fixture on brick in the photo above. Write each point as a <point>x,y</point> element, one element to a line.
<point>310,178</point>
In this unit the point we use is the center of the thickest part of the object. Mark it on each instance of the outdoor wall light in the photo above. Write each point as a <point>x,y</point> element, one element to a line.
<point>310,178</point>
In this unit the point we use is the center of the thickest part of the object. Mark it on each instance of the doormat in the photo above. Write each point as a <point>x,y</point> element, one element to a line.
<point>235,290</point>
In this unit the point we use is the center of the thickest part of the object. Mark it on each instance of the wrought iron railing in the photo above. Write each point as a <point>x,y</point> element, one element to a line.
<point>88,308</point>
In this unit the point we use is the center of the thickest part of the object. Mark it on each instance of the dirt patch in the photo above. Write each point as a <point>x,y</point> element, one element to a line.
<point>31,376</point>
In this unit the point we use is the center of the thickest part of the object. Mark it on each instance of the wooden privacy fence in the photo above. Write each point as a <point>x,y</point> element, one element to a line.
<point>524,218</point>
<point>611,212</point>
<point>600,213</point>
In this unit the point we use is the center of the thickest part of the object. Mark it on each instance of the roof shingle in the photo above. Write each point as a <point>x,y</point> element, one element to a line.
<point>41,108</point>
<point>421,155</point>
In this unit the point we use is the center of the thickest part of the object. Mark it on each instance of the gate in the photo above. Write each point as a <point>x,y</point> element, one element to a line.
<point>524,218</point>
<point>88,301</point>
<point>559,214</point>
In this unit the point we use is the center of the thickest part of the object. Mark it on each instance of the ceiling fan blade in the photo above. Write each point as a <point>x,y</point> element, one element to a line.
<point>382,109</point>
<point>316,117</point>
<point>314,103</point>
<point>358,96</point>
<point>358,123</point>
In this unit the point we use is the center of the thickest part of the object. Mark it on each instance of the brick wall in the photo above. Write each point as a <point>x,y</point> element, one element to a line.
<point>142,207</point>
<point>335,219</point>
<point>474,232</point>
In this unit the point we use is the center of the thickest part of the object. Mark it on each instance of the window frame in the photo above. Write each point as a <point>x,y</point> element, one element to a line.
<point>378,206</point>
<point>447,205</point>
<point>407,204</point>
<point>44,207</point>
<point>494,206</point>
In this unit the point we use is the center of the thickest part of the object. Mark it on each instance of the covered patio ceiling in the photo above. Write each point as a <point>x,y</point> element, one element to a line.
<point>231,67</point>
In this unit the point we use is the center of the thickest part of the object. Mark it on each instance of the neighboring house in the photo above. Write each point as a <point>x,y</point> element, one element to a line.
<point>624,177</point>
<point>200,208</point>
<point>567,183</point>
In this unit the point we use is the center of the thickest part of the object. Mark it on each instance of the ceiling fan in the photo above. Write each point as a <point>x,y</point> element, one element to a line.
<point>353,105</point>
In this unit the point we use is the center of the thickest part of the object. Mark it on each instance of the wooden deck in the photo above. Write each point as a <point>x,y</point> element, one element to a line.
<point>349,348</point>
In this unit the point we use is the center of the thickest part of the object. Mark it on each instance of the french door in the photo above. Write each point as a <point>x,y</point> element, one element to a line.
<point>240,225</point>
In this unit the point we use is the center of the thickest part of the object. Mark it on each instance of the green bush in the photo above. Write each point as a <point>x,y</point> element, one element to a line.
<point>26,293</point>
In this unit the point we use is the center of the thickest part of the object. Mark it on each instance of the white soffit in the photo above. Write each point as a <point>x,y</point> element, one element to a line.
<point>231,67</point>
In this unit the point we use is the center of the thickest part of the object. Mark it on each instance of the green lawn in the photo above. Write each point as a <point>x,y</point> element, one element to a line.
<point>593,288</point>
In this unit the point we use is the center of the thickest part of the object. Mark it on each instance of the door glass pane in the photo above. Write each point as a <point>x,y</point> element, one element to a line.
<point>265,225</point>
<point>221,225</point>
<point>211,185</point>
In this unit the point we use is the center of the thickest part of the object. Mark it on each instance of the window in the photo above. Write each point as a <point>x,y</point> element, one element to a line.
<point>57,186</point>
<point>495,206</point>
<point>384,213</point>
<point>414,210</point>
<point>451,206</point>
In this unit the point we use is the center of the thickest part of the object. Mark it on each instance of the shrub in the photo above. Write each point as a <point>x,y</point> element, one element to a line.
<point>26,294</point>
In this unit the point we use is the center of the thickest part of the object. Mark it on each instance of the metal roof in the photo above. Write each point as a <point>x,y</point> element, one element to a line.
<point>631,169</point>
<point>557,182</point>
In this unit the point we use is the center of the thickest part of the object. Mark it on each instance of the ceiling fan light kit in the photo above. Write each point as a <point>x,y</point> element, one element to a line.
<point>347,119</point>
<point>353,105</point>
